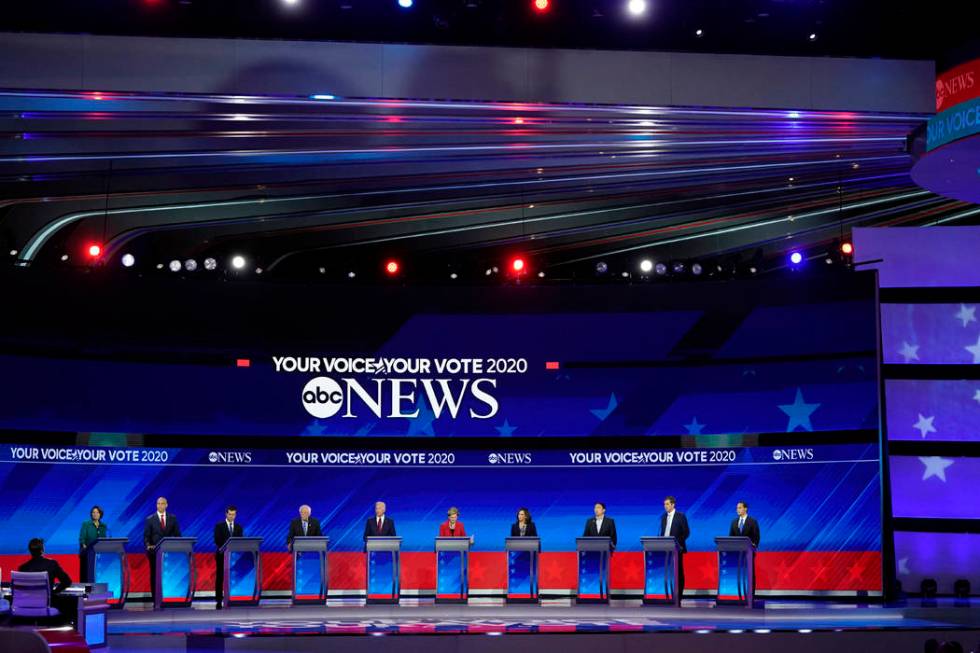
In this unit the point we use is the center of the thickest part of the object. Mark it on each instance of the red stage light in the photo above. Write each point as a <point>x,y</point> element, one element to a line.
<point>847,248</point>
<point>541,5</point>
<point>94,250</point>
<point>391,267</point>
<point>518,121</point>
<point>517,265</point>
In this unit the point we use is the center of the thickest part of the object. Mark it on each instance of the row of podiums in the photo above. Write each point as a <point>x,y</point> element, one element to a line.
<point>175,578</point>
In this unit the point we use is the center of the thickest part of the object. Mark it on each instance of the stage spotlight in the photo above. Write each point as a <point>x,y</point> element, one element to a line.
<point>847,248</point>
<point>175,265</point>
<point>517,265</point>
<point>351,274</point>
<point>190,265</point>
<point>405,4</point>
<point>646,265</point>
<point>391,267</point>
<point>290,3</point>
<point>636,7</point>
<point>541,5</point>
<point>699,33</point>
<point>128,260</point>
<point>601,267</point>
<point>238,261</point>
<point>541,274</point>
<point>795,258</point>
<point>677,267</point>
<point>929,588</point>
<point>696,269</point>
<point>94,250</point>
<point>961,588</point>
<point>489,272</point>
<point>813,36</point>
<point>660,269</point>
<point>453,276</point>
<point>210,264</point>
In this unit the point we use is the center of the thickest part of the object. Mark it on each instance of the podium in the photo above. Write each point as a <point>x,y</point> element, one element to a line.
<point>452,569</point>
<point>106,562</point>
<point>176,573</point>
<point>383,569</point>
<point>736,571</point>
<point>660,572</point>
<point>242,571</point>
<point>593,569</point>
<point>522,568</point>
<point>310,570</point>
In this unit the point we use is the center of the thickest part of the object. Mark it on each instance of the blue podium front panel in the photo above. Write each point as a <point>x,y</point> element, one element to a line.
<point>522,582</point>
<point>382,576</point>
<point>592,570</point>
<point>176,577</point>
<point>658,585</point>
<point>307,580</point>
<point>241,576</point>
<point>108,569</point>
<point>733,577</point>
<point>451,575</point>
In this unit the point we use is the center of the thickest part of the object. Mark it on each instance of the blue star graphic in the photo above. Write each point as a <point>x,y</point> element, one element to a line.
<point>935,466</point>
<point>694,428</point>
<point>505,429</point>
<point>423,423</point>
<point>603,413</point>
<point>799,413</point>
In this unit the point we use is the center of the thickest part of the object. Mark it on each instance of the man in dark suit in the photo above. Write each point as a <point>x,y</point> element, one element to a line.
<point>744,525</point>
<point>380,524</point>
<point>673,523</point>
<point>303,526</point>
<point>223,531</point>
<point>157,526</point>
<point>58,577</point>
<point>600,525</point>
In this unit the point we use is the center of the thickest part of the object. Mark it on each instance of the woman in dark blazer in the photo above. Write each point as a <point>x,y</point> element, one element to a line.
<point>523,527</point>
<point>92,529</point>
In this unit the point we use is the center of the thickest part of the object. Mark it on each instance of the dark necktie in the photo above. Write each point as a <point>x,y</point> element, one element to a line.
<point>163,522</point>
<point>379,525</point>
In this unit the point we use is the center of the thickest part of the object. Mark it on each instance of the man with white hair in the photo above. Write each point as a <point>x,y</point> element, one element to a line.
<point>303,526</point>
<point>380,524</point>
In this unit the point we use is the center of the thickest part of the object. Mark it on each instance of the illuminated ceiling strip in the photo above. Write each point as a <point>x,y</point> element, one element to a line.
<point>957,216</point>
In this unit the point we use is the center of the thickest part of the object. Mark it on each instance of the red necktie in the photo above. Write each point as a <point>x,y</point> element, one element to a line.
<point>163,522</point>
<point>379,525</point>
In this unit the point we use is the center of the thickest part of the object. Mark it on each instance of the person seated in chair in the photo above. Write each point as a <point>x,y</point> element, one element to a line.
<point>58,577</point>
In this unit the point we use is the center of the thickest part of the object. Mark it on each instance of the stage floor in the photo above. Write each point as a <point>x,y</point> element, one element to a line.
<point>281,619</point>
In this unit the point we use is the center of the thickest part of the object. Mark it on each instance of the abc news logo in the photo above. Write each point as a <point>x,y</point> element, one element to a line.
<point>786,455</point>
<point>230,457</point>
<point>509,458</point>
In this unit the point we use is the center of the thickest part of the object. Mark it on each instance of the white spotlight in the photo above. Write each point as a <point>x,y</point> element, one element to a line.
<point>636,7</point>
<point>190,265</point>
<point>175,265</point>
<point>238,261</point>
<point>646,265</point>
<point>290,3</point>
<point>813,36</point>
<point>128,260</point>
<point>210,264</point>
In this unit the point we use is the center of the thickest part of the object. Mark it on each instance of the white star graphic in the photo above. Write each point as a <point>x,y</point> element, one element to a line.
<point>975,350</point>
<point>966,314</point>
<point>909,352</point>
<point>799,413</point>
<point>903,567</point>
<point>935,466</point>
<point>925,424</point>
<point>976,397</point>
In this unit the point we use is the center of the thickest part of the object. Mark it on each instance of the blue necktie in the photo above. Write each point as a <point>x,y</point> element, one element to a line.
<point>741,524</point>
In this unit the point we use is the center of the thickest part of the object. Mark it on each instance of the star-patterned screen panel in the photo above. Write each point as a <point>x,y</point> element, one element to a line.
<point>752,356</point>
<point>933,411</point>
<point>934,487</point>
<point>930,334</point>
<point>943,557</point>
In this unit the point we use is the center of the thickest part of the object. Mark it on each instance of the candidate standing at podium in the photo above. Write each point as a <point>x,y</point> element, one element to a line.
<point>523,527</point>
<point>92,529</point>
<point>601,526</point>
<point>159,525</point>
<point>223,531</point>
<point>673,523</point>
<point>303,526</point>
<point>744,525</point>
<point>452,527</point>
<point>380,524</point>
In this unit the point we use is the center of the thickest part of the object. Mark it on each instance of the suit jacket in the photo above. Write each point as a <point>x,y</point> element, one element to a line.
<point>750,530</point>
<point>152,533</point>
<point>444,529</point>
<point>221,533</point>
<point>678,529</point>
<point>387,527</point>
<point>90,533</point>
<point>530,531</point>
<point>296,529</point>
<point>55,572</point>
<point>608,529</point>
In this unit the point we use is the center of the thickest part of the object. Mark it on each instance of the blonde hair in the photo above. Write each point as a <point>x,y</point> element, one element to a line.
<point>453,511</point>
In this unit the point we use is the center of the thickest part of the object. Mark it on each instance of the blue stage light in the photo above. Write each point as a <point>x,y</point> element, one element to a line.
<point>795,258</point>
<point>405,4</point>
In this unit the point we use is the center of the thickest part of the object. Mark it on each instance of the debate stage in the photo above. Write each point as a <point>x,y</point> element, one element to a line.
<point>623,625</point>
